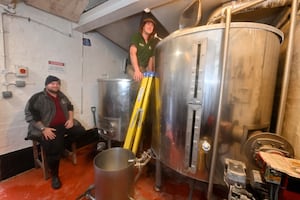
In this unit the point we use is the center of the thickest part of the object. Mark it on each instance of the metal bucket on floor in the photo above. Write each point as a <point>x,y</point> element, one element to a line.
<point>114,174</point>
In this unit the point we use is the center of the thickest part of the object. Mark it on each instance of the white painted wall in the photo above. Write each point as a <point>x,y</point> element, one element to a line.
<point>32,38</point>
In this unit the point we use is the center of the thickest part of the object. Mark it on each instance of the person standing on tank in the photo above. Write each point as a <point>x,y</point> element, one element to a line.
<point>141,50</point>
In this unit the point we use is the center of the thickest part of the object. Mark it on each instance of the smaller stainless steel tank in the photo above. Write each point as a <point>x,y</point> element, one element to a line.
<point>116,97</point>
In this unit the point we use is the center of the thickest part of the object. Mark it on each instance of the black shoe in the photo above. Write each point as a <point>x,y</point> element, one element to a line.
<point>56,184</point>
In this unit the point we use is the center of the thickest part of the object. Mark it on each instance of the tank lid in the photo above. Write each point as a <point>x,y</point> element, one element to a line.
<point>249,25</point>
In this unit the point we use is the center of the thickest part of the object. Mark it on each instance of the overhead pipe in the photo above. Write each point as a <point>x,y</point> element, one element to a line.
<point>226,37</point>
<point>10,8</point>
<point>245,6</point>
<point>287,67</point>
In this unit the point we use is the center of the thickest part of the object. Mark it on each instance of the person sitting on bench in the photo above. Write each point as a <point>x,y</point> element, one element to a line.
<point>50,116</point>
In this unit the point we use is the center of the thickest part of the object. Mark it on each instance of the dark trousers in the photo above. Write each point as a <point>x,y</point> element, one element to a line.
<point>54,148</point>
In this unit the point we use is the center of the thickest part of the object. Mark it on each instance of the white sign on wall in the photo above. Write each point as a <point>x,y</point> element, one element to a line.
<point>56,67</point>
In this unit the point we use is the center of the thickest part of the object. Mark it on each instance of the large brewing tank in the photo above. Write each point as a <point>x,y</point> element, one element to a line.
<point>189,67</point>
<point>291,126</point>
<point>116,97</point>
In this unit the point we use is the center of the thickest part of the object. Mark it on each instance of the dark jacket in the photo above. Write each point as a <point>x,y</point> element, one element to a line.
<point>40,107</point>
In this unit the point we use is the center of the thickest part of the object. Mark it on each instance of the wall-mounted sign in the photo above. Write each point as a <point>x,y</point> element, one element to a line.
<point>55,66</point>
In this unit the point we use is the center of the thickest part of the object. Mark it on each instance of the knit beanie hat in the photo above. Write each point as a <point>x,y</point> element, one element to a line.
<point>50,79</point>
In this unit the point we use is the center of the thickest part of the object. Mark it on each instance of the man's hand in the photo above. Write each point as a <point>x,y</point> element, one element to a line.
<point>138,75</point>
<point>69,124</point>
<point>49,133</point>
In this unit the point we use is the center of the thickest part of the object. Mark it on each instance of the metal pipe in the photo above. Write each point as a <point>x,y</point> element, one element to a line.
<point>158,178</point>
<point>217,14</point>
<point>10,8</point>
<point>244,6</point>
<point>287,67</point>
<point>274,3</point>
<point>142,162</point>
<point>223,70</point>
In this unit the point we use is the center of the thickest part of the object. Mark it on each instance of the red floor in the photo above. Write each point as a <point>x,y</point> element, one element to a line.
<point>76,180</point>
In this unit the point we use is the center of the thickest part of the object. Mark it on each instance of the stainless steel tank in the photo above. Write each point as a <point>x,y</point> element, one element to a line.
<point>189,63</point>
<point>116,97</point>
<point>291,125</point>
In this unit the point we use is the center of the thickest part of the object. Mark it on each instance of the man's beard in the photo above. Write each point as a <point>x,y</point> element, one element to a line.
<point>53,91</point>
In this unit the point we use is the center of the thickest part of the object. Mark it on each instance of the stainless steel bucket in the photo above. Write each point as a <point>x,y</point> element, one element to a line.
<point>114,174</point>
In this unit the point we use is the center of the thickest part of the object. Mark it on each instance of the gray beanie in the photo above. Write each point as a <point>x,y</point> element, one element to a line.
<point>50,79</point>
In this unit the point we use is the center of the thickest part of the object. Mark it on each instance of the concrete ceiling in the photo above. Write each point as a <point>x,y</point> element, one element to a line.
<point>68,9</point>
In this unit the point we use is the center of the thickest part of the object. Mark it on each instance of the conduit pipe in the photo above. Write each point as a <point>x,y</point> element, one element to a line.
<point>223,70</point>
<point>3,43</point>
<point>10,10</point>
<point>245,6</point>
<point>287,67</point>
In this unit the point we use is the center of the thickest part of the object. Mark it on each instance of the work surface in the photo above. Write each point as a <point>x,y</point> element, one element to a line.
<point>286,165</point>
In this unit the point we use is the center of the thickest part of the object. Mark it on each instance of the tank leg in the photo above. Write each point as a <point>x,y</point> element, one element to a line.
<point>157,175</point>
<point>191,184</point>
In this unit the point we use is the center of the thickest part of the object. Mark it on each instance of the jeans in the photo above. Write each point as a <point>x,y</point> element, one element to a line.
<point>54,148</point>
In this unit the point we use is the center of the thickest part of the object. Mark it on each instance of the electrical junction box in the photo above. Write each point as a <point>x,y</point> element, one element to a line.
<point>7,94</point>
<point>21,71</point>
